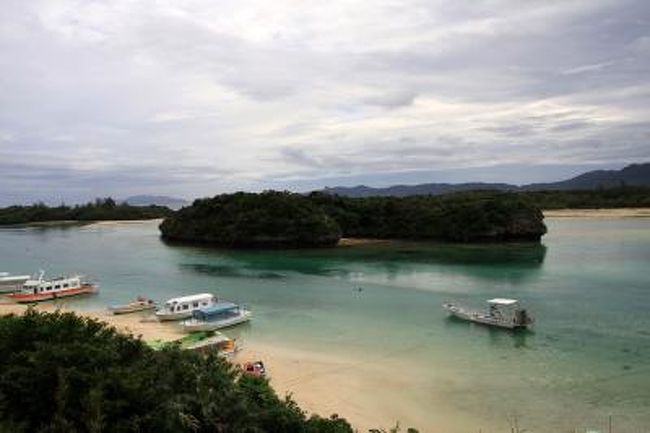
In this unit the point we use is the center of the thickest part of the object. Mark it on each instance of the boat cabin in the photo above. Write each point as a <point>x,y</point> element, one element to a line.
<point>48,286</point>
<point>187,304</point>
<point>507,310</point>
<point>217,311</point>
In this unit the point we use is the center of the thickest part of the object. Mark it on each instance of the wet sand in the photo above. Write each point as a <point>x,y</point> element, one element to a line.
<point>598,213</point>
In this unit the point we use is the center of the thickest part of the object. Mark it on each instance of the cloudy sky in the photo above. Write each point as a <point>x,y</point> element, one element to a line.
<point>192,98</point>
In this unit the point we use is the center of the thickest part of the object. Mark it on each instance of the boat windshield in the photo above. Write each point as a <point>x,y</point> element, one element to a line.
<point>221,309</point>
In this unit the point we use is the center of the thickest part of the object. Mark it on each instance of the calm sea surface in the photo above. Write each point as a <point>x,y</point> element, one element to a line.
<point>587,284</point>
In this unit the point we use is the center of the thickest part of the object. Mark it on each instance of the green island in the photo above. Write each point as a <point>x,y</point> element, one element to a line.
<point>283,219</point>
<point>65,373</point>
<point>102,209</point>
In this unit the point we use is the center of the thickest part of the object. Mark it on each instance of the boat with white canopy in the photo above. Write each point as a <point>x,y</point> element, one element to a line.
<point>182,307</point>
<point>501,312</point>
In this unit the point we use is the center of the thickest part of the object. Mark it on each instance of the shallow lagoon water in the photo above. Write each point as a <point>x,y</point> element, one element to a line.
<point>587,284</point>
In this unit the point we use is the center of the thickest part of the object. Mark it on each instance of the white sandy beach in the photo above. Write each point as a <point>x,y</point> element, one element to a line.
<point>598,213</point>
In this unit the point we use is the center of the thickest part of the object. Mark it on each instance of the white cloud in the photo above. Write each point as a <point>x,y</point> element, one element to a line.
<point>200,97</point>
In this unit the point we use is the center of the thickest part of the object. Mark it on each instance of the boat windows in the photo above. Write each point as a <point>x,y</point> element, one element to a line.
<point>195,305</point>
<point>186,307</point>
<point>56,287</point>
<point>65,285</point>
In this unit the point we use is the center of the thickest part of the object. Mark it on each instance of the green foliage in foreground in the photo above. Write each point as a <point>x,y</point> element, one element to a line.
<point>65,373</point>
<point>100,209</point>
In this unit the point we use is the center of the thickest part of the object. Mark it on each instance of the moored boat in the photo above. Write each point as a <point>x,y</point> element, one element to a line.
<point>10,283</point>
<point>182,307</point>
<point>39,289</point>
<point>218,316</point>
<point>501,312</point>
<point>139,304</point>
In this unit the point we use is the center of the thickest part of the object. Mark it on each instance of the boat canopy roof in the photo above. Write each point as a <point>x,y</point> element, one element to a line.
<point>503,301</point>
<point>190,298</point>
<point>214,310</point>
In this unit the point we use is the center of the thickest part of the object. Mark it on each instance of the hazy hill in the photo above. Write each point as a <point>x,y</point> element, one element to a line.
<point>158,200</point>
<point>632,175</point>
<point>421,189</point>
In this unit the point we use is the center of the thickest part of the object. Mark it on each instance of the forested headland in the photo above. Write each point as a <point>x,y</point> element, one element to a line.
<point>601,198</point>
<point>63,373</point>
<point>100,209</point>
<point>284,219</point>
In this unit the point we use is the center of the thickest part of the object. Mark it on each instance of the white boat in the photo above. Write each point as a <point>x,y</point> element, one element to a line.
<point>39,289</point>
<point>140,304</point>
<point>501,312</point>
<point>218,316</point>
<point>11,283</point>
<point>182,307</point>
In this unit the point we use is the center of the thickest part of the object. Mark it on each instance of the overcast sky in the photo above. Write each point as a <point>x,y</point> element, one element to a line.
<point>192,98</point>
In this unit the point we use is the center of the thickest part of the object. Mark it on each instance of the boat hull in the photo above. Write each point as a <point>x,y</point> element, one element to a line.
<point>131,309</point>
<point>168,317</point>
<point>26,298</point>
<point>213,325</point>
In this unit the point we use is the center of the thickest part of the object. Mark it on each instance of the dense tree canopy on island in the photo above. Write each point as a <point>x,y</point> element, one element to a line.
<point>100,209</point>
<point>283,219</point>
<point>62,373</point>
<point>269,219</point>
<point>457,217</point>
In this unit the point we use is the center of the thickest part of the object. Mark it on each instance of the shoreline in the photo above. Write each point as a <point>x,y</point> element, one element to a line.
<point>321,383</point>
<point>598,213</point>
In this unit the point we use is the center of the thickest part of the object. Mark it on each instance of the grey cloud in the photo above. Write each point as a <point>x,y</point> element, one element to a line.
<point>193,98</point>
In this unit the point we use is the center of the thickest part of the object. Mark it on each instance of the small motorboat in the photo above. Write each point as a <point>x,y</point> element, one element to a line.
<point>139,304</point>
<point>201,342</point>
<point>501,312</point>
<point>254,368</point>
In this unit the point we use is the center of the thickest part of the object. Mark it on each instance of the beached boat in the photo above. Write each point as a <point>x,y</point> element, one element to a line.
<point>39,289</point>
<point>254,368</point>
<point>503,313</point>
<point>218,316</point>
<point>202,342</point>
<point>214,341</point>
<point>140,304</point>
<point>11,283</point>
<point>182,307</point>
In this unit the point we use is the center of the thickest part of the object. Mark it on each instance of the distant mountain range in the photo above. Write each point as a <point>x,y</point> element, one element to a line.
<point>632,175</point>
<point>159,200</point>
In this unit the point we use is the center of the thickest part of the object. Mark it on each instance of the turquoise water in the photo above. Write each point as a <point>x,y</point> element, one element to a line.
<point>588,286</point>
